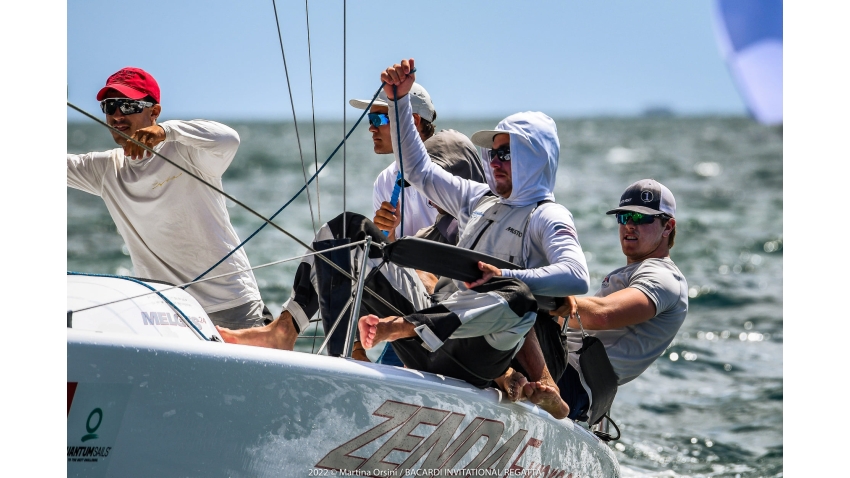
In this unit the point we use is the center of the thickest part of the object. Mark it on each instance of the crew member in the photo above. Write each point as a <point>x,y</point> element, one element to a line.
<point>174,226</point>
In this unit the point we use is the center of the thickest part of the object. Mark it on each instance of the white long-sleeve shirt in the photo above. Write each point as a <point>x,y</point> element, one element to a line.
<point>174,226</point>
<point>417,212</point>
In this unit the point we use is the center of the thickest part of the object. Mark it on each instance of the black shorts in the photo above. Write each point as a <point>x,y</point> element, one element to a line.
<point>574,394</point>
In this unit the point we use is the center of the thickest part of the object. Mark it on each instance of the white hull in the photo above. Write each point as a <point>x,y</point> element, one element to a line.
<point>164,406</point>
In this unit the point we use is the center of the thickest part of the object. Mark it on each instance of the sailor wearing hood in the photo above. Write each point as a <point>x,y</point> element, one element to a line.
<point>512,217</point>
<point>476,331</point>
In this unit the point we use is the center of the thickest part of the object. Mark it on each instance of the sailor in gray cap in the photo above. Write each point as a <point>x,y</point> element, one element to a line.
<point>457,153</point>
<point>638,309</point>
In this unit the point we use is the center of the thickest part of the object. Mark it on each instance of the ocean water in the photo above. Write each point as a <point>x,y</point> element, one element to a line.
<point>711,406</point>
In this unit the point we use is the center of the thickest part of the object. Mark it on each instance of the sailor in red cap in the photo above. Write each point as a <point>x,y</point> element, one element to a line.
<point>130,100</point>
<point>175,228</point>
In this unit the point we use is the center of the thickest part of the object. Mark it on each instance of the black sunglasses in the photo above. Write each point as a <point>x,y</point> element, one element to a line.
<point>126,105</point>
<point>637,218</point>
<point>503,153</point>
<point>378,119</point>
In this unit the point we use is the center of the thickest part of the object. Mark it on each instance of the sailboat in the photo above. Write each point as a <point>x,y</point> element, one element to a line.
<point>153,390</point>
<point>151,395</point>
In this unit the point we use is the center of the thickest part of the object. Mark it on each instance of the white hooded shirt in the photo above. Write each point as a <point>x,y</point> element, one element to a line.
<point>555,261</point>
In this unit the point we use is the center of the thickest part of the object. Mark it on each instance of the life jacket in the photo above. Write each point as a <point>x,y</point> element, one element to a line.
<point>498,229</point>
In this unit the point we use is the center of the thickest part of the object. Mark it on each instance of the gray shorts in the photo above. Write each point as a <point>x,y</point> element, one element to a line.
<point>250,314</point>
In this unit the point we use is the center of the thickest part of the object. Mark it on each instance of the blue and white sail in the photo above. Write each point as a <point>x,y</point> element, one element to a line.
<point>749,35</point>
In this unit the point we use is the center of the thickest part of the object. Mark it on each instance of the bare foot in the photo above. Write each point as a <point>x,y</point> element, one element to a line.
<point>374,330</point>
<point>368,327</point>
<point>548,398</point>
<point>280,334</point>
<point>513,384</point>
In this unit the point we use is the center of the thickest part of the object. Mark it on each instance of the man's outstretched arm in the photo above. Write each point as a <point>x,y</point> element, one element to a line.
<point>620,309</point>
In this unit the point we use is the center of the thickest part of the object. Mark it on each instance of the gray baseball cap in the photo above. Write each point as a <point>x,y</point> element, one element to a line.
<point>647,196</point>
<point>420,102</point>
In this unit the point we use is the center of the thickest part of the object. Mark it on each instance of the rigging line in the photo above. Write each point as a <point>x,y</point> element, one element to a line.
<point>182,286</point>
<point>400,180</point>
<point>313,108</point>
<point>314,253</point>
<point>344,157</point>
<point>228,196</point>
<point>315,335</point>
<point>180,313</point>
<point>294,120</point>
<point>327,336</point>
<point>313,111</point>
<point>314,176</point>
<point>181,168</point>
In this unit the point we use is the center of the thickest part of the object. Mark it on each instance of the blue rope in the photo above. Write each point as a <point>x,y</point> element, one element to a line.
<point>314,176</point>
<point>399,183</point>
<point>399,179</point>
<point>161,296</point>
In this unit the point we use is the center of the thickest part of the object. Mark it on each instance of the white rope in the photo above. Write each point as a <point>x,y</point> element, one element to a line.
<point>223,275</point>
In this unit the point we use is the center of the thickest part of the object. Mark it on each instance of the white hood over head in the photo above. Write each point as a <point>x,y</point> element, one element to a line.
<point>534,156</point>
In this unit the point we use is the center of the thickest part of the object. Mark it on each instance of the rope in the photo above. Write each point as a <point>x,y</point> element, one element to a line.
<point>399,180</point>
<point>181,168</point>
<point>228,196</point>
<point>313,109</point>
<point>344,156</point>
<point>183,286</point>
<point>294,120</point>
<point>350,299</point>
<point>399,183</point>
<point>157,292</point>
<point>314,176</point>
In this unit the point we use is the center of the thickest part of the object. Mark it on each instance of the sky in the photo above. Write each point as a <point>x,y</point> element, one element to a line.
<point>478,59</point>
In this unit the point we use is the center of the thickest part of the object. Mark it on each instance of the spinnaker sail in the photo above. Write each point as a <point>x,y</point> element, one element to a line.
<point>749,35</point>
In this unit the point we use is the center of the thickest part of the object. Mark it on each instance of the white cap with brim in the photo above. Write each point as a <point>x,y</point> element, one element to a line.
<point>420,102</point>
<point>484,138</point>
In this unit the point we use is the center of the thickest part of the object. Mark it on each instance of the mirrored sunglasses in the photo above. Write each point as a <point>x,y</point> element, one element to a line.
<point>126,105</point>
<point>503,153</point>
<point>636,217</point>
<point>378,119</point>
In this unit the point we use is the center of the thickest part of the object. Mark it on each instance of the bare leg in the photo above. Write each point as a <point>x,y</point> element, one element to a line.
<point>513,384</point>
<point>280,334</point>
<point>428,280</point>
<point>374,330</point>
<point>541,389</point>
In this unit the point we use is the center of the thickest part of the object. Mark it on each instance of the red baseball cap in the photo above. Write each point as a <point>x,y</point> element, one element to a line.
<point>136,83</point>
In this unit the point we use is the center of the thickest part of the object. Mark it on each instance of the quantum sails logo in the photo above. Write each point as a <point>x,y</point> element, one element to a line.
<point>93,422</point>
<point>88,453</point>
<point>95,413</point>
<point>437,451</point>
